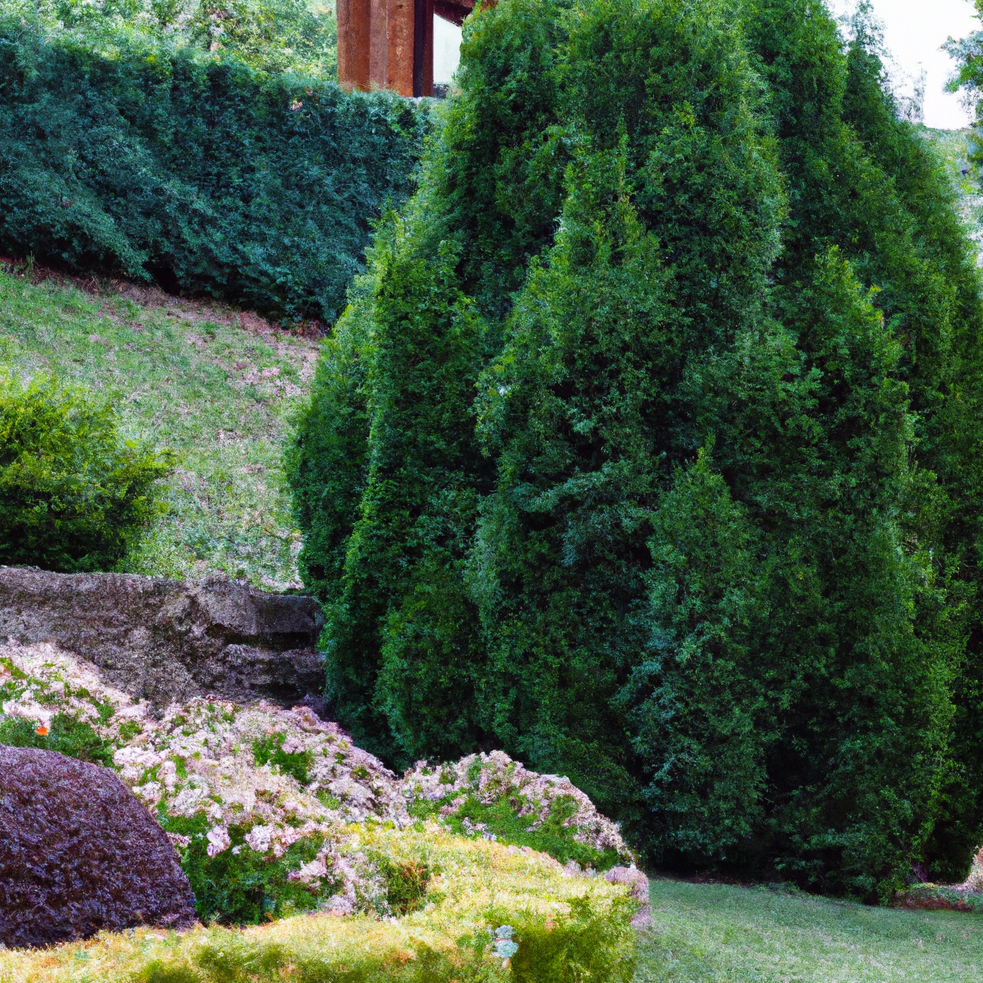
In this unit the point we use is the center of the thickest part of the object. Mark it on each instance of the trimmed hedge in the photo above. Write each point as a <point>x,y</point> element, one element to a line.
<point>195,170</point>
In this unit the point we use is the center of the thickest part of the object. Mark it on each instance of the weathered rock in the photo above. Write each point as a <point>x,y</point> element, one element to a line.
<point>166,640</point>
<point>79,854</point>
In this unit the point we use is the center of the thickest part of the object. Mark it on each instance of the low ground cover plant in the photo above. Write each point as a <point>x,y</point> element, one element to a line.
<point>75,493</point>
<point>275,812</point>
<point>480,895</point>
<point>492,796</point>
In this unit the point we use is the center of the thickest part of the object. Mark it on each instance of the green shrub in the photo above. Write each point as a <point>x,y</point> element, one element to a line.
<point>407,882</point>
<point>273,35</point>
<point>239,886</point>
<point>210,175</point>
<point>66,735</point>
<point>74,492</point>
<point>552,836</point>
<point>650,447</point>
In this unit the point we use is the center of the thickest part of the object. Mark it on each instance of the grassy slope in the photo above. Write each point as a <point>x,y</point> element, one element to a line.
<point>711,933</point>
<point>216,386</point>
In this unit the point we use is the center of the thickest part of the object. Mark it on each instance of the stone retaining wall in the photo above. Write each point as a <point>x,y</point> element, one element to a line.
<point>166,640</point>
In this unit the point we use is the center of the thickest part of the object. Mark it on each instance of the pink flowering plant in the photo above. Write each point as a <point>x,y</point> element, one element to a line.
<point>974,880</point>
<point>257,800</point>
<point>49,700</point>
<point>492,796</point>
<point>272,810</point>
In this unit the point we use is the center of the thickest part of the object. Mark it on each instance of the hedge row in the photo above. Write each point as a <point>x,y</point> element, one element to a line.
<point>200,172</point>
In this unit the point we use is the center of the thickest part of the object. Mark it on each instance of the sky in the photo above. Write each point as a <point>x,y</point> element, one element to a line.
<point>446,49</point>
<point>914,30</point>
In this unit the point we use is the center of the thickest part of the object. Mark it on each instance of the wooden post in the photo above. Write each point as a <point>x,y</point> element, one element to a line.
<point>354,34</point>
<point>423,48</point>
<point>386,44</point>
<point>401,30</point>
<point>378,43</point>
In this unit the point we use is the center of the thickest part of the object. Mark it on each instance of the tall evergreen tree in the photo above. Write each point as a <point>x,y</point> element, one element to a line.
<point>650,445</point>
<point>671,219</point>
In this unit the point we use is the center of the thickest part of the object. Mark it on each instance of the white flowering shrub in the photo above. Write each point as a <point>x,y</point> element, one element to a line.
<point>974,880</point>
<point>50,700</point>
<point>492,796</point>
<point>257,800</point>
<point>269,808</point>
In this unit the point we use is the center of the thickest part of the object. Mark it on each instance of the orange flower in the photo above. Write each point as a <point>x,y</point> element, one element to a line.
<point>42,730</point>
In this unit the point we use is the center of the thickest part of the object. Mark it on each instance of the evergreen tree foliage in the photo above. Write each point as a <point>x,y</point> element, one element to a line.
<point>649,447</point>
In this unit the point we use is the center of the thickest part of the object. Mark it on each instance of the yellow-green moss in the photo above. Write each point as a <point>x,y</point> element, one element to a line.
<point>568,930</point>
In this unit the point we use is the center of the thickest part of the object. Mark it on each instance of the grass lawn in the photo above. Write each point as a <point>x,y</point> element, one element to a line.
<point>712,933</point>
<point>215,385</point>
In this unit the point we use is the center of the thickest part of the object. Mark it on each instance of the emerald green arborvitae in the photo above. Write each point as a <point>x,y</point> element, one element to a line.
<point>387,470</point>
<point>647,448</point>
